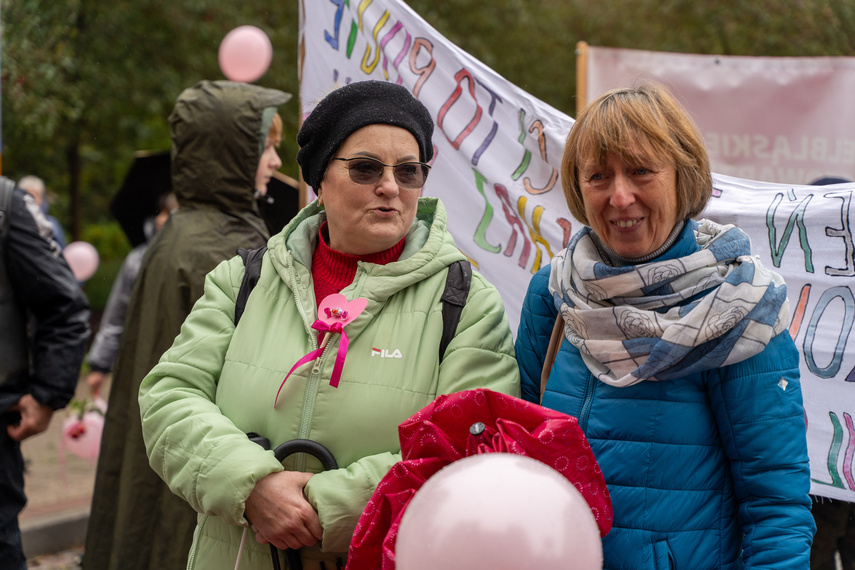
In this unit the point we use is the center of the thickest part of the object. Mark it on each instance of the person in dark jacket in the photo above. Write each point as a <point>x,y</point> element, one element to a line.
<point>37,379</point>
<point>223,146</point>
<point>105,346</point>
<point>674,351</point>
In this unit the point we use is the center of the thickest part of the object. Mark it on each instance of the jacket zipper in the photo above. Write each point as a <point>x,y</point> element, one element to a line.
<point>309,406</point>
<point>197,536</point>
<point>314,381</point>
<point>586,405</point>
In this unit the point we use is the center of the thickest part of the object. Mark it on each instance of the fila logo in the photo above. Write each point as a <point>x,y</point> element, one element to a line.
<point>385,353</point>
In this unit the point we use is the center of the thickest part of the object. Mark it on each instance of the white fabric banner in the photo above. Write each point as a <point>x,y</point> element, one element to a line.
<point>779,119</point>
<point>498,150</point>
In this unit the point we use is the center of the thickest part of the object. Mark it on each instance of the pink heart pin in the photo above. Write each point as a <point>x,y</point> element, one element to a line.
<point>334,312</point>
<point>336,309</point>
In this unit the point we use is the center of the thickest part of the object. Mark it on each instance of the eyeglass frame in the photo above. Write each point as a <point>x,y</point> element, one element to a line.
<point>425,168</point>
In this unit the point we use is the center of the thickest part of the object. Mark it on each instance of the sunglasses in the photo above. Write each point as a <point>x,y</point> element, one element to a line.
<point>364,170</point>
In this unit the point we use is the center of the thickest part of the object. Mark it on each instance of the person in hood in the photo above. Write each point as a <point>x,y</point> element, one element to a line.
<point>674,351</point>
<point>365,149</point>
<point>223,138</point>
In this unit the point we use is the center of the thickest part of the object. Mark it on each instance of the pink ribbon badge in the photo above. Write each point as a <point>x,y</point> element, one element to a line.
<point>334,312</point>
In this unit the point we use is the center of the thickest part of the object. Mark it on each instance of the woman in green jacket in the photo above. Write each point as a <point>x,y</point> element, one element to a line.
<point>368,236</point>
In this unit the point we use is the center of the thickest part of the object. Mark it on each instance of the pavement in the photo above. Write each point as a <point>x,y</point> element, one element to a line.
<point>59,495</point>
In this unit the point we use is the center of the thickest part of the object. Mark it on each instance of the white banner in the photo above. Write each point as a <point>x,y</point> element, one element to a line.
<point>778,119</point>
<point>498,150</point>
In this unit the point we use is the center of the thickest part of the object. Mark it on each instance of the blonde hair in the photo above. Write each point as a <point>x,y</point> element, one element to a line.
<point>275,133</point>
<point>638,124</point>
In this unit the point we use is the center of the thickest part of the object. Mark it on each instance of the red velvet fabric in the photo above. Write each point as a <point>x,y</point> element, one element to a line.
<point>440,434</point>
<point>333,270</point>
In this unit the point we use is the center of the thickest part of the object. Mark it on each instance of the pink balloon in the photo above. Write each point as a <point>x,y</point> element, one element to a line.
<point>83,259</point>
<point>245,54</point>
<point>498,511</point>
<point>82,436</point>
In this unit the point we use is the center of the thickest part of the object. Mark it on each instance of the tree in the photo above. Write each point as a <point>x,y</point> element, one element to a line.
<point>86,83</point>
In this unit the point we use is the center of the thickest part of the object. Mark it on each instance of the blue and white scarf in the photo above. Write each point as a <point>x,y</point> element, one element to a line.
<point>667,319</point>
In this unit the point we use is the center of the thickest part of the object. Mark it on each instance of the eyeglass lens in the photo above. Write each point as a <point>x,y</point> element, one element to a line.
<point>369,171</point>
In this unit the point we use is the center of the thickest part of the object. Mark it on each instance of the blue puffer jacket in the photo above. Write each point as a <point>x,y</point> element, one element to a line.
<point>709,471</point>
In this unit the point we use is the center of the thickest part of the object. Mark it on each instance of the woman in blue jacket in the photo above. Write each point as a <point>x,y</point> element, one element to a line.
<point>674,354</point>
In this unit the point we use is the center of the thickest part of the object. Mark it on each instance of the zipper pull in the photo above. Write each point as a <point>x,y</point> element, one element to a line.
<point>317,368</point>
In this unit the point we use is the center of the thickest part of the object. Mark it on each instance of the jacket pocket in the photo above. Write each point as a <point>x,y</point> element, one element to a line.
<point>663,559</point>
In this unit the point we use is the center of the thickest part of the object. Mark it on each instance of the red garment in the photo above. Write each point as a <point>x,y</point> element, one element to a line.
<point>439,434</point>
<point>333,270</point>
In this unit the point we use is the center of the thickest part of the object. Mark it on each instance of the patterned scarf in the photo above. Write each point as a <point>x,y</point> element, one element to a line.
<point>667,319</point>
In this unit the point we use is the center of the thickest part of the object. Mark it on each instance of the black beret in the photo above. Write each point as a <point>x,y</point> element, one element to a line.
<point>348,109</point>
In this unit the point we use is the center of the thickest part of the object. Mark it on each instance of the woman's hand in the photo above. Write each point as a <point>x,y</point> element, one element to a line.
<point>280,514</point>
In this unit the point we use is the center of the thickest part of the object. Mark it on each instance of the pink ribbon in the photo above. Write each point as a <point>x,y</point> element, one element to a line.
<point>326,328</point>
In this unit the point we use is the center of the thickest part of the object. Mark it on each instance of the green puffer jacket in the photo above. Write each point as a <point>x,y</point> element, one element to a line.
<point>217,383</point>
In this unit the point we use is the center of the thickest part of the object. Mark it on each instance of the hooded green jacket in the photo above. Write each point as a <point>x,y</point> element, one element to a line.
<point>218,383</point>
<point>218,131</point>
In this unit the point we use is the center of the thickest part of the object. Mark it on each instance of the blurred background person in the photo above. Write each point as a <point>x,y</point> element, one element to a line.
<point>104,348</point>
<point>223,137</point>
<point>39,369</point>
<point>35,187</point>
<point>674,350</point>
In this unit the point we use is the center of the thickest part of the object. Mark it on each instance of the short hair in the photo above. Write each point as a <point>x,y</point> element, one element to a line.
<point>33,184</point>
<point>637,124</point>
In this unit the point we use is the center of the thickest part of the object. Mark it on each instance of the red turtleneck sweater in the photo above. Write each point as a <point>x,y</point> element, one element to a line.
<point>333,270</point>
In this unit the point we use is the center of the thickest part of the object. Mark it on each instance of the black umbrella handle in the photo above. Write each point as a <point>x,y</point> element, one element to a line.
<point>313,448</point>
<point>320,453</point>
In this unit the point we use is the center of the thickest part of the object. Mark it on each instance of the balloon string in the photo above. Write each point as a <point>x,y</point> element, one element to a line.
<point>240,548</point>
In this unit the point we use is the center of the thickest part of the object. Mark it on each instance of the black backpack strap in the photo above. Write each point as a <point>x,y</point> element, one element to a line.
<point>252,262</point>
<point>453,299</point>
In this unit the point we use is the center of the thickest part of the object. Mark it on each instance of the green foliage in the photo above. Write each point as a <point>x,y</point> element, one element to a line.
<point>533,44</point>
<point>97,80</point>
<point>109,239</point>
<point>112,245</point>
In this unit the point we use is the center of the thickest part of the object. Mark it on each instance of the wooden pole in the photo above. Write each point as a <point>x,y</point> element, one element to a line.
<point>301,57</point>
<point>581,75</point>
